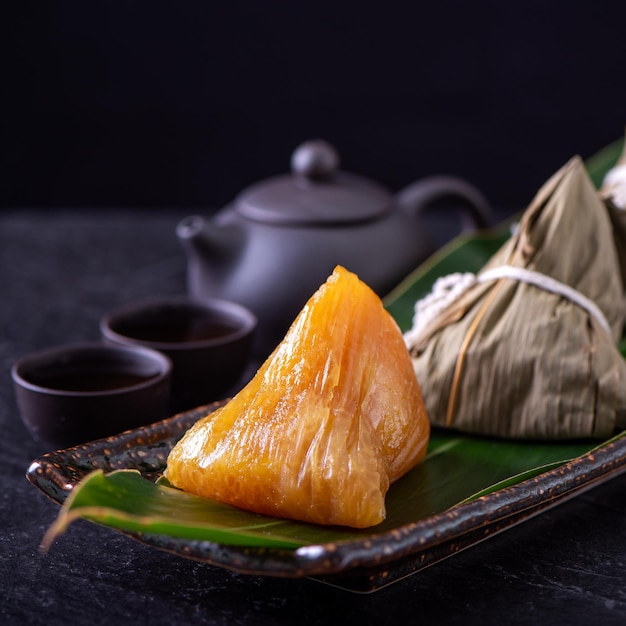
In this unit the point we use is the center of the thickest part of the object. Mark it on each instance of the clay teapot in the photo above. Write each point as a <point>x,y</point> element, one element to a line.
<point>280,239</point>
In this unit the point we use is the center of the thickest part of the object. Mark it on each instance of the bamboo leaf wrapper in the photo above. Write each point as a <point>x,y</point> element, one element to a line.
<point>511,359</point>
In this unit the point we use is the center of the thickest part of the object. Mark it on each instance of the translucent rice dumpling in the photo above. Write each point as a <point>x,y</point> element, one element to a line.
<point>527,349</point>
<point>332,417</point>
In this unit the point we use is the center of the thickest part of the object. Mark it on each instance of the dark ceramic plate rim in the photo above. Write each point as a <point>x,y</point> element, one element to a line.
<point>363,564</point>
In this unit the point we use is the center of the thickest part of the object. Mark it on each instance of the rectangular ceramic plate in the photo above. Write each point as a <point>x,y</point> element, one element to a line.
<point>365,564</point>
<point>368,561</point>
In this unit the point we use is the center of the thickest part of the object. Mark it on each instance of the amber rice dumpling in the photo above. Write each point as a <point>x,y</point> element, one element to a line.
<point>330,420</point>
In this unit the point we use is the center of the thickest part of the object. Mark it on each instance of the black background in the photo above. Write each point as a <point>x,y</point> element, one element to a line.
<point>152,104</point>
<point>182,104</point>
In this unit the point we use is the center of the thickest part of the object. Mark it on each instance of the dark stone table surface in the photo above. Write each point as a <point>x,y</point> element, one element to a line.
<point>60,270</point>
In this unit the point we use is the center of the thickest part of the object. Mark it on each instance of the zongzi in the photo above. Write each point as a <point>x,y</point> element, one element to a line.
<point>528,349</point>
<point>332,417</point>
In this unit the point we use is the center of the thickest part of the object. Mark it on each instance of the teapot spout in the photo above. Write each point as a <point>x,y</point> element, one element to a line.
<point>212,251</point>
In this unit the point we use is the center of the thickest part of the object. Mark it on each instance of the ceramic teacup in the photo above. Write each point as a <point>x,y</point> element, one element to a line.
<point>75,393</point>
<point>209,342</point>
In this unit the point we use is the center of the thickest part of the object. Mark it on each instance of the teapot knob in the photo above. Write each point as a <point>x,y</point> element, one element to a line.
<point>315,159</point>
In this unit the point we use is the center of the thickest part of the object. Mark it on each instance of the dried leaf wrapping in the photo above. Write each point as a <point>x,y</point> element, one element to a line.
<point>510,359</point>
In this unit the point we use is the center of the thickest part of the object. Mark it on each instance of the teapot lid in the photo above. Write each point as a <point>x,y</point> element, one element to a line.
<point>315,193</point>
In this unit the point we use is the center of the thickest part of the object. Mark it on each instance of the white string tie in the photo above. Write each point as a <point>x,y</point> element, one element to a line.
<point>450,288</point>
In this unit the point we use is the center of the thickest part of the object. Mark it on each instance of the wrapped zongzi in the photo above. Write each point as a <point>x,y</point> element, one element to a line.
<point>528,347</point>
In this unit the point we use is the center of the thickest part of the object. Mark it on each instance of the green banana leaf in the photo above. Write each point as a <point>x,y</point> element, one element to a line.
<point>457,467</point>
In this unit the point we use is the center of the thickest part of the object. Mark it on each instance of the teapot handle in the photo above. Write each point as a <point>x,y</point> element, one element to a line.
<point>475,210</point>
